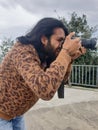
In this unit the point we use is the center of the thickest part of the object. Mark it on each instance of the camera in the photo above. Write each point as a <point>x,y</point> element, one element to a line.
<point>88,44</point>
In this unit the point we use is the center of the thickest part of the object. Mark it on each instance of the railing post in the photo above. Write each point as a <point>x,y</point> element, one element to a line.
<point>97,78</point>
<point>89,78</point>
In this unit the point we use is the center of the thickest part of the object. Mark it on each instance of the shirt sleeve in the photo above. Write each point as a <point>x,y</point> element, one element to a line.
<point>68,74</point>
<point>43,83</point>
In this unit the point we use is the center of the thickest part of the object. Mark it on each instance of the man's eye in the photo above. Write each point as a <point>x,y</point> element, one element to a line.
<point>61,41</point>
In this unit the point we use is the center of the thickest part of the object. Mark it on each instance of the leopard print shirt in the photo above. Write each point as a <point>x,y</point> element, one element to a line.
<point>23,81</point>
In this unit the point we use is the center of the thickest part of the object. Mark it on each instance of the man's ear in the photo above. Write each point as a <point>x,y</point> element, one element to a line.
<point>44,40</point>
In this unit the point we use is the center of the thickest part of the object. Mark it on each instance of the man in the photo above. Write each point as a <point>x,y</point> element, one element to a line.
<point>34,68</point>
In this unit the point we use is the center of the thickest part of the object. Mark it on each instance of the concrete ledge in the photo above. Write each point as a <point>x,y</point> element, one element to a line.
<point>77,111</point>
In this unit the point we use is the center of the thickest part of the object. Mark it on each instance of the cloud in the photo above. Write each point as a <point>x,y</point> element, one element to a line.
<point>17,16</point>
<point>15,21</point>
<point>25,13</point>
<point>47,8</point>
<point>44,6</point>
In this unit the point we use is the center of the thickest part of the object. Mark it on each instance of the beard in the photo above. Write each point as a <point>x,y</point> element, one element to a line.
<point>51,53</point>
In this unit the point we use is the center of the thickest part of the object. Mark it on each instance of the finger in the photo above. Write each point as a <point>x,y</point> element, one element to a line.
<point>78,40</point>
<point>76,55</point>
<point>82,50</point>
<point>71,35</point>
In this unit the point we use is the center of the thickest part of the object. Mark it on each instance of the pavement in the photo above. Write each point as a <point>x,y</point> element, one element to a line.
<point>77,111</point>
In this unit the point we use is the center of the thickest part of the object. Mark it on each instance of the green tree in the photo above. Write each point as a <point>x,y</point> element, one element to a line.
<point>5,47</point>
<point>81,28</point>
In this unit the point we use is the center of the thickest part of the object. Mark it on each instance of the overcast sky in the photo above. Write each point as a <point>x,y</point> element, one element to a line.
<point>18,16</point>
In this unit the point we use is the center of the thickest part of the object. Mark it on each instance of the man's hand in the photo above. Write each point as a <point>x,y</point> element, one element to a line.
<point>79,52</point>
<point>73,46</point>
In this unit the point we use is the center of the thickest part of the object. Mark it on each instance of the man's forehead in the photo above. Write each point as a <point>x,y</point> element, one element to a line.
<point>59,32</point>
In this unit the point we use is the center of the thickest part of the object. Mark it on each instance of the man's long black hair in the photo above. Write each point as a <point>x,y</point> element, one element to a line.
<point>44,27</point>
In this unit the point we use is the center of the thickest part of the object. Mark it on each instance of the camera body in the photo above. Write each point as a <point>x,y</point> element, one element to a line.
<point>88,44</point>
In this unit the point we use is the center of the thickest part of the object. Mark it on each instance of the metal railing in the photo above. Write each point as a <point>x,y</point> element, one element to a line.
<point>85,75</point>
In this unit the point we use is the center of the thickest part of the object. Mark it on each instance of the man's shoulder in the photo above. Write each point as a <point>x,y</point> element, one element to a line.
<point>23,51</point>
